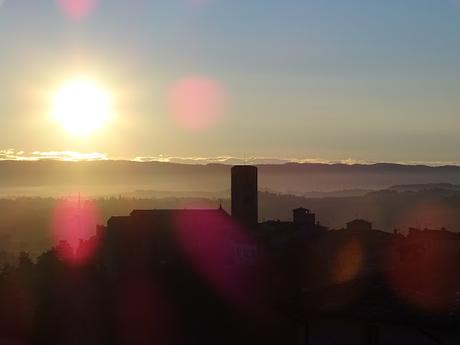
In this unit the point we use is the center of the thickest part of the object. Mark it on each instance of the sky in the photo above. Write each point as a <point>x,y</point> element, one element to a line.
<point>327,80</point>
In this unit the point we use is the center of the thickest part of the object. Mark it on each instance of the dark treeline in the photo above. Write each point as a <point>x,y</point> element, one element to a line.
<point>50,301</point>
<point>367,277</point>
<point>27,222</point>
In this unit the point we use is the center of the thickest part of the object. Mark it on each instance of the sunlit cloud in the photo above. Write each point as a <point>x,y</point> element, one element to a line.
<point>197,103</point>
<point>11,154</point>
<point>232,160</point>
<point>190,160</point>
<point>275,160</point>
<point>77,9</point>
<point>70,155</point>
<point>73,156</point>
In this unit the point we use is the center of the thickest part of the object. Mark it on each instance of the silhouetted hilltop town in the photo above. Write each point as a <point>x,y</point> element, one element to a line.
<point>199,276</point>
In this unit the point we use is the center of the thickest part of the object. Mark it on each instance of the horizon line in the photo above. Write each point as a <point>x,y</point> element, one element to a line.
<point>74,156</point>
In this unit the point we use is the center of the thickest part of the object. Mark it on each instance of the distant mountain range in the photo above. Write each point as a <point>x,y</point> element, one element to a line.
<point>426,186</point>
<point>51,177</point>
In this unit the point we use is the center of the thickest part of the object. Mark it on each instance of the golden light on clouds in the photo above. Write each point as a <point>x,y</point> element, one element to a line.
<point>81,107</point>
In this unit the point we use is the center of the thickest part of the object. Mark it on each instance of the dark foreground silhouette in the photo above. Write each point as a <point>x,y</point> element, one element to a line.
<point>194,278</point>
<point>201,276</point>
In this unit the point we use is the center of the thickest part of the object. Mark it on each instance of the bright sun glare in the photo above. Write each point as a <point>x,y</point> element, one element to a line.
<point>81,107</point>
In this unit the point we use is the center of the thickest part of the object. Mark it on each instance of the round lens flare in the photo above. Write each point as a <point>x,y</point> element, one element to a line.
<point>74,225</point>
<point>77,9</point>
<point>348,262</point>
<point>197,103</point>
<point>81,107</point>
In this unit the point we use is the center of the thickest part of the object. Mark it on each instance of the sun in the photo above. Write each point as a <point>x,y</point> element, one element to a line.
<point>81,107</point>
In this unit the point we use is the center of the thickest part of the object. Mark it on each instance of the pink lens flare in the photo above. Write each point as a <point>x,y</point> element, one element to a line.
<point>74,228</point>
<point>348,262</point>
<point>223,254</point>
<point>197,103</point>
<point>421,271</point>
<point>77,9</point>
